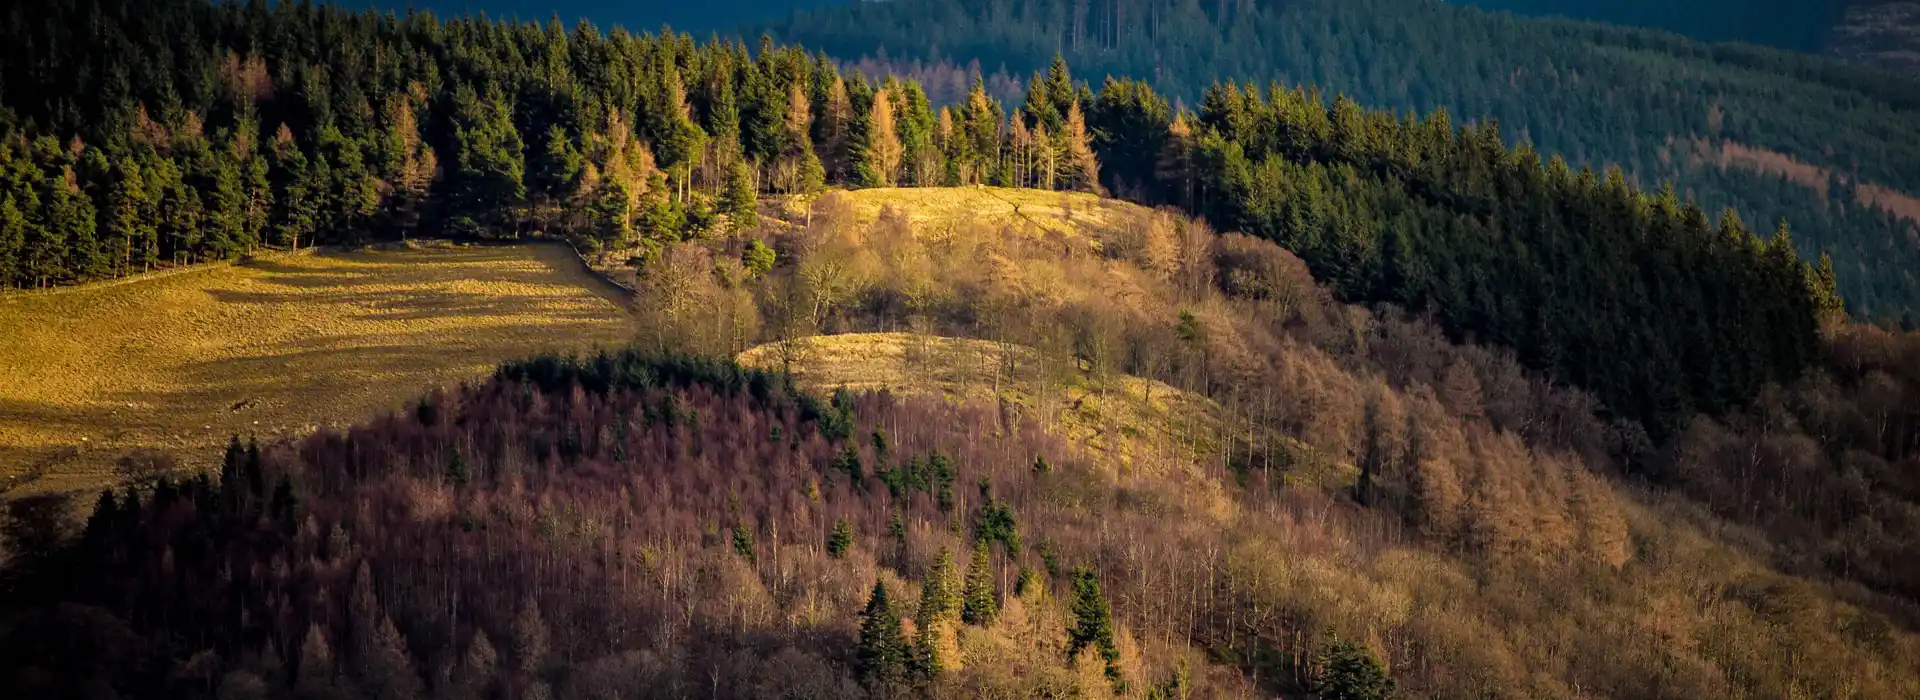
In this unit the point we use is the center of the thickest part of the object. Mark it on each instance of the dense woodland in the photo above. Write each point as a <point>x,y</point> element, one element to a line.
<point>1650,102</point>
<point>301,124</point>
<point>1523,404</point>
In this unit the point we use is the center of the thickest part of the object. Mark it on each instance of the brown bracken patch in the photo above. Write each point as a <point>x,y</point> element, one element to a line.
<point>1730,154</point>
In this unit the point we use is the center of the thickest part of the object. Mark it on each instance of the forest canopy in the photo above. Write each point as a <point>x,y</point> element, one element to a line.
<point>294,124</point>
<point>1660,106</point>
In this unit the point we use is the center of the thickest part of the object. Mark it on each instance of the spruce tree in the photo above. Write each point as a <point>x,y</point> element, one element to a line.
<point>980,604</point>
<point>1093,621</point>
<point>939,592</point>
<point>129,213</point>
<point>13,242</point>
<point>743,542</point>
<point>489,168</point>
<point>1349,672</point>
<point>882,655</point>
<point>741,202</point>
<point>840,541</point>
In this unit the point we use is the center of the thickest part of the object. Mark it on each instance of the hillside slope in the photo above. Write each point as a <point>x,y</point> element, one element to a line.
<point>103,379</point>
<point>1597,95</point>
<point>1798,25</point>
<point>1244,323</point>
<point>639,524</point>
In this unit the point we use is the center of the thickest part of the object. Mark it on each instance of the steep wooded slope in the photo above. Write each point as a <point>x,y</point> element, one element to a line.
<point>1595,94</point>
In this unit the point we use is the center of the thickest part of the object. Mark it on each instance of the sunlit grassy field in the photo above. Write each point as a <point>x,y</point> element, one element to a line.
<point>270,347</point>
<point>1125,421</point>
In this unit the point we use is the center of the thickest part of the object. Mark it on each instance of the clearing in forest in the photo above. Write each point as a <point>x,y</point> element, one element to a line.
<point>176,363</point>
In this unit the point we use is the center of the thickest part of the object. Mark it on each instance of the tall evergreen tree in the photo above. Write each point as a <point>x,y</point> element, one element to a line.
<point>1093,621</point>
<point>130,213</point>
<point>740,200</point>
<point>489,168</point>
<point>981,603</point>
<point>940,592</point>
<point>882,654</point>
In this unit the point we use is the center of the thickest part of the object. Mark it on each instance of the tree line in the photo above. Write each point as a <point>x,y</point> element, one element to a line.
<point>1658,105</point>
<point>149,134</point>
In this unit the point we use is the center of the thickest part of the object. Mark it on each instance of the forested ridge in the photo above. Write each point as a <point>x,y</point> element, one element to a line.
<point>696,18</point>
<point>1655,103</point>
<point>297,124</point>
<point>1523,332</point>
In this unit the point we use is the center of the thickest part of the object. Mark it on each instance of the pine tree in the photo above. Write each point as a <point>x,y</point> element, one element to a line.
<point>232,482</point>
<point>882,654</point>
<point>488,183</point>
<point>74,212</point>
<point>475,672</point>
<point>920,158</point>
<point>13,242</point>
<point>129,213</point>
<point>1029,583</point>
<point>980,604</point>
<point>840,541</point>
<point>759,259</point>
<point>316,677</point>
<point>743,542</point>
<point>939,592</point>
<point>457,472</point>
<point>1038,108</point>
<point>980,123</point>
<point>1349,672</point>
<point>554,175</point>
<point>1093,621</point>
<point>741,202</point>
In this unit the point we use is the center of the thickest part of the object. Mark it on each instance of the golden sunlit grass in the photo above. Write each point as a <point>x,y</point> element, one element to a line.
<point>1134,423</point>
<point>272,346</point>
<point>1070,214</point>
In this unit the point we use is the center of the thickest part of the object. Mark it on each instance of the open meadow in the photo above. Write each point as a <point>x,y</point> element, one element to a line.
<point>176,363</point>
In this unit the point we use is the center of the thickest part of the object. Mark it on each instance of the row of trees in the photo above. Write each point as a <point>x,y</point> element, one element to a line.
<point>124,149</point>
